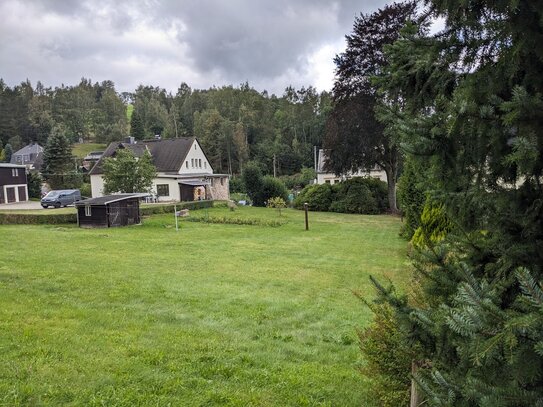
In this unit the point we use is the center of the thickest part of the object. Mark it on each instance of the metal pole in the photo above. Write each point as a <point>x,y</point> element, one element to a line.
<point>176,220</point>
<point>306,218</point>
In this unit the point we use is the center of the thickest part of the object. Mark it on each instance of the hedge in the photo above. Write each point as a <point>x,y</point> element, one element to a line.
<point>35,219</point>
<point>235,221</point>
<point>13,218</point>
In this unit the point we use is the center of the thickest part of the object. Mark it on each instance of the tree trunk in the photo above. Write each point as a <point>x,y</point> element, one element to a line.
<point>391,181</point>
<point>415,399</point>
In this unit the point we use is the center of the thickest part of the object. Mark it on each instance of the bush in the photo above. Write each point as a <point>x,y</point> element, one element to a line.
<point>235,221</point>
<point>270,188</point>
<point>252,180</point>
<point>195,205</point>
<point>237,185</point>
<point>86,190</point>
<point>36,219</point>
<point>34,185</point>
<point>300,180</point>
<point>387,356</point>
<point>411,198</point>
<point>357,199</point>
<point>434,225</point>
<point>318,197</point>
<point>356,195</point>
<point>277,203</point>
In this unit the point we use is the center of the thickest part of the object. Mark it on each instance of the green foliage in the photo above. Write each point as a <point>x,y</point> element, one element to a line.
<point>277,203</point>
<point>86,190</point>
<point>299,180</point>
<point>7,153</point>
<point>136,127</point>
<point>270,188</point>
<point>125,173</point>
<point>34,181</point>
<point>13,218</point>
<point>356,195</point>
<point>58,163</point>
<point>411,197</point>
<point>434,225</point>
<point>237,185</point>
<point>252,179</point>
<point>235,221</point>
<point>387,358</point>
<point>318,197</point>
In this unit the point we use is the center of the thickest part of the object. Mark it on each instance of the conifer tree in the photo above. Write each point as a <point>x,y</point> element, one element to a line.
<point>58,164</point>
<point>472,119</point>
<point>136,126</point>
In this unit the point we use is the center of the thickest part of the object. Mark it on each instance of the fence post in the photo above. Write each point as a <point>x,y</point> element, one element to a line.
<point>306,217</point>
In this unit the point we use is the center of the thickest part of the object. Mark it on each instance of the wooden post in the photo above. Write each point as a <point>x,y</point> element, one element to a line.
<point>306,218</point>
<point>176,220</point>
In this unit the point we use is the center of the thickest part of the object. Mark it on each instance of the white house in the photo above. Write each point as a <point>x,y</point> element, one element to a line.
<point>183,171</point>
<point>325,177</point>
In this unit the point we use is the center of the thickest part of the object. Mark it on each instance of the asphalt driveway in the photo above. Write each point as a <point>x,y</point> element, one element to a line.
<point>21,205</point>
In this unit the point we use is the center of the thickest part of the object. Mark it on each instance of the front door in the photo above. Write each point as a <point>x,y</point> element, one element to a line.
<point>10,192</point>
<point>22,194</point>
<point>186,192</point>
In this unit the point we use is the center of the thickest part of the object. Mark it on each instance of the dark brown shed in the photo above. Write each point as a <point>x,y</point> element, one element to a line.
<point>109,211</point>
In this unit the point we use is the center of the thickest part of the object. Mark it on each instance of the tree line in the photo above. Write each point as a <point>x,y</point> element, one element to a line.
<point>235,125</point>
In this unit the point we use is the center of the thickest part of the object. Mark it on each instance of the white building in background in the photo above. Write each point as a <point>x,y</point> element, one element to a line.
<point>324,177</point>
<point>183,171</point>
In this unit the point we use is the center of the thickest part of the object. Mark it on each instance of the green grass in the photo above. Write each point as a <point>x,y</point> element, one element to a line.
<point>210,315</point>
<point>81,150</point>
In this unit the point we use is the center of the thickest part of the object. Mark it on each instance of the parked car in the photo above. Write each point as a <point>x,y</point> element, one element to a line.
<point>61,198</point>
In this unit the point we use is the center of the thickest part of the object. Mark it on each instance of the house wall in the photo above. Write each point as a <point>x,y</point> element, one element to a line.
<point>332,178</point>
<point>220,188</point>
<point>97,185</point>
<point>97,218</point>
<point>173,186</point>
<point>13,189</point>
<point>194,156</point>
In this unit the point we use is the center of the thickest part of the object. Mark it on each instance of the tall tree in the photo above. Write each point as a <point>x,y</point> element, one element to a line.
<point>136,127</point>
<point>473,108</point>
<point>58,163</point>
<point>126,173</point>
<point>354,137</point>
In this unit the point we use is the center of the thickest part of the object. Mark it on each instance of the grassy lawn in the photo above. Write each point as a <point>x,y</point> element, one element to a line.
<point>211,315</point>
<point>81,150</point>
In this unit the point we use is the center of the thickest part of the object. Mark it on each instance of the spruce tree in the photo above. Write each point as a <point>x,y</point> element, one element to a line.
<point>472,119</point>
<point>136,126</point>
<point>58,163</point>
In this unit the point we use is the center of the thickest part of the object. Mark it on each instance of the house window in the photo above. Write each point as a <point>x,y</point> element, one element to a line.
<point>327,181</point>
<point>18,159</point>
<point>199,163</point>
<point>192,162</point>
<point>15,172</point>
<point>222,181</point>
<point>195,146</point>
<point>87,210</point>
<point>26,158</point>
<point>187,163</point>
<point>205,165</point>
<point>163,190</point>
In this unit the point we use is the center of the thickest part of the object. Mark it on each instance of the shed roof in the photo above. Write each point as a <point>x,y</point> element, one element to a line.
<point>7,165</point>
<point>168,155</point>
<point>107,199</point>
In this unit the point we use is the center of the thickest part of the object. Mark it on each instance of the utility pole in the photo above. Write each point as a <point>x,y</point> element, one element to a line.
<point>315,157</point>
<point>274,173</point>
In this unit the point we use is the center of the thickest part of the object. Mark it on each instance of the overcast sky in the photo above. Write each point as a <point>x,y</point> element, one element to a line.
<point>269,43</point>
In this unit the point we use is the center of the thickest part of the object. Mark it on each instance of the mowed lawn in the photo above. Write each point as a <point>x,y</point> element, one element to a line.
<point>214,314</point>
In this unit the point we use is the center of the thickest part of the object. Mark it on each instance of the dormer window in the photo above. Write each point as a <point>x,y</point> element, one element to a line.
<point>195,146</point>
<point>187,163</point>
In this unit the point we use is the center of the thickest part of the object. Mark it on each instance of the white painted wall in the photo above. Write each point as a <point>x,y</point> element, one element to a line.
<point>173,185</point>
<point>195,162</point>
<point>97,185</point>
<point>331,178</point>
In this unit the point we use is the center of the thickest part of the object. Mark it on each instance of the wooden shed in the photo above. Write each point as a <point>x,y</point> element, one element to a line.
<point>109,211</point>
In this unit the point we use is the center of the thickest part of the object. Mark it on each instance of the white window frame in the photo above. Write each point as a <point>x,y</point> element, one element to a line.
<point>15,172</point>
<point>88,210</point>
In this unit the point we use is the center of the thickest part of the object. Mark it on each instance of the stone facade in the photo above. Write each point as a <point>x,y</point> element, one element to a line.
<point>219,189</point>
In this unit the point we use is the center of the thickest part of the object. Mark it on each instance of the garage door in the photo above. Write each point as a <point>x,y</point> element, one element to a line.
<point>10,193</point>
<point>22,194</point>
<point>2,195</point>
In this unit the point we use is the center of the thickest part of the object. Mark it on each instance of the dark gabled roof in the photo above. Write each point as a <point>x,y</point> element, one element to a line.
<point>107,199</point>
<point>168,155</point>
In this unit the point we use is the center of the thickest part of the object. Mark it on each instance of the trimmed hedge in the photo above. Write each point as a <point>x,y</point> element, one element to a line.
<point>235,221</point>
<point>13,218</point>
<point>35,219</point>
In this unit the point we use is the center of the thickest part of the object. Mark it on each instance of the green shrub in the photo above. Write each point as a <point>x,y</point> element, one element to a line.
<point>353,196</point>
<point>235,221</point>
<point>270,188</point>
<point>299,180</point>
<point>387,357</point>
<point>194,205</point>
<point>36,219</point>
<point>277,203</point>
<point>34,180</point>
<point>86,190</point>
<point>356,195</point>
<point>434,225</point>
<point>318,197</point>
<point>237,185</point>
<point>411,198</point>
<point>252,179</point>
